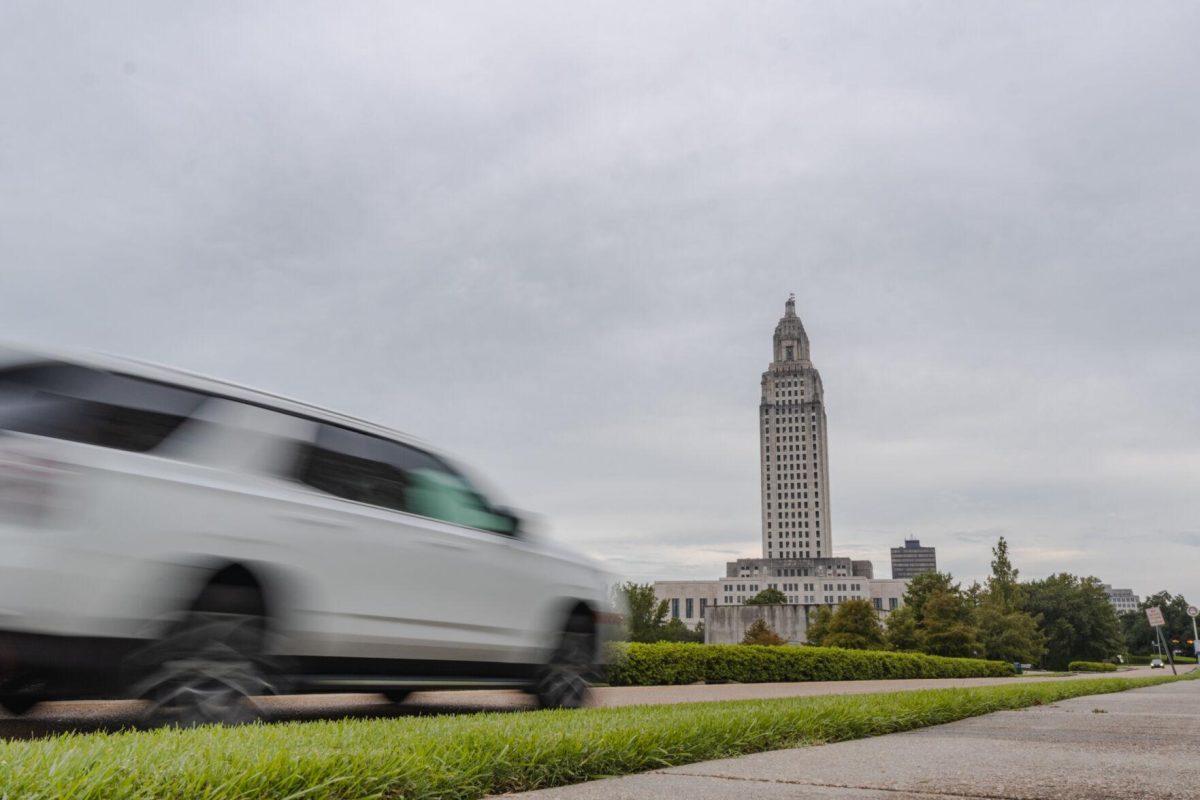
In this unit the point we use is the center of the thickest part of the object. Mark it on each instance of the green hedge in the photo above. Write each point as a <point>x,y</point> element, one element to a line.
<point>1091,666</point>
<point>665,664</point>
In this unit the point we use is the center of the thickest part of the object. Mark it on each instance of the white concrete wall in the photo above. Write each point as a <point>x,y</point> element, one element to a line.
<point>678,593</point>
<point>728,624</point>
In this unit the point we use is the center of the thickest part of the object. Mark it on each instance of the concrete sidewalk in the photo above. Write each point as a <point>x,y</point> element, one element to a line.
<point>1143,743</point>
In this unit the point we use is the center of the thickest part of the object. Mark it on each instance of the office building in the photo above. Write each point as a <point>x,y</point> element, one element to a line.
<point>912,559</point>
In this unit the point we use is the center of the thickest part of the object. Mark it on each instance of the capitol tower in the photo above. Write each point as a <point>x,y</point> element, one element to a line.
<point>794,455</point>
<point>797,540</point>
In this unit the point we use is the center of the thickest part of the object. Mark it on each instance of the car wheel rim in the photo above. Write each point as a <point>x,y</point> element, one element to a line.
<point>564,683</point>
<point>207,671</point>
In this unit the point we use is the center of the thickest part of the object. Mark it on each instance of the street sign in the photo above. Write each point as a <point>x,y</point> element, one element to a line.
<point>1155,616</point>
<point>1193,611</point>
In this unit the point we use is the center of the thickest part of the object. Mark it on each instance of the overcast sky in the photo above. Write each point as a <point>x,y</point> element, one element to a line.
<point>554,239</point>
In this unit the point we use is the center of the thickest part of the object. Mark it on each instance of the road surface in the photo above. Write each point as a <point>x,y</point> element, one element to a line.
<point>1126,746</point>
<point>108,715</point>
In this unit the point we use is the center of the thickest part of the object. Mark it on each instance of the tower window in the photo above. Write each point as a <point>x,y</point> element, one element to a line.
<point>788,351</point>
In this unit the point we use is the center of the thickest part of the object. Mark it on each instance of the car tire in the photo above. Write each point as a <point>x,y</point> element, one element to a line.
<point>563,680</point>
<point>397,695</point>
<point>18,704</point>
<point>209,667</point>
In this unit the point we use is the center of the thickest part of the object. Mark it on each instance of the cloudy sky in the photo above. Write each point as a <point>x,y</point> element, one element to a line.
<point>555,238</point>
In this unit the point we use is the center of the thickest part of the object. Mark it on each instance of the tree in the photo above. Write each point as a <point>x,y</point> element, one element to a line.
<point>647,615</point>
<point>947,625</point>
<point>975,595</point>
<point>760,633</point>
<point>815,633</point>
<point>920,587</point>
<point>855,626</point>
<point>677,631</point>
<point>1009,637</point>
<point>902,630</point>
<point>1136,632</point>
<point>1076,618</point>
<point>1003,589</point>
<point>768,597</point>
<point>1006,633</point>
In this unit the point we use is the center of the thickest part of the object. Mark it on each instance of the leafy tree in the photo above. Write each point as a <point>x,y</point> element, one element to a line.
<point>1012,636</point>
<point>947,625</point>
<point>1003,589</point>
<point>647,615</point>
<point>1007,633</point>
<point>677,631</point>
<point>1136,631</point>
<point>1077,620</point>
<point>1139,637</point>
<point>815,634</point>
<point>922,586</point>
<point>855,626</point>
<point>768,597</point>
<point>760,633</point>
<point>902,630</point>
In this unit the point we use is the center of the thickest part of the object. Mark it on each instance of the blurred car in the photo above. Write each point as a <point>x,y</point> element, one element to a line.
<point>197,543</point>
<point>1156,663</point>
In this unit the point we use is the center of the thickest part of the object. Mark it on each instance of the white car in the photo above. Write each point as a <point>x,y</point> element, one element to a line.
<point>1156,663</point>
<point>197,543</point>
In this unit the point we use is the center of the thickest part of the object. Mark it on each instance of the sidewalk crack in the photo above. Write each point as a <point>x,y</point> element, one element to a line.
<point>927,792</point>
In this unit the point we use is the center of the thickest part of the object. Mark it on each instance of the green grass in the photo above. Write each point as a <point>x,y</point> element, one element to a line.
<point>473,755</point>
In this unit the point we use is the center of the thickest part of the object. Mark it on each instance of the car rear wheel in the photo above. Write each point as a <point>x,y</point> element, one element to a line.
<point>210,665</point>
<point>563,681</point>
<point>209,670</point>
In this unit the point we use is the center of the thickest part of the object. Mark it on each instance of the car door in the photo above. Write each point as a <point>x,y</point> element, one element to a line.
<point>497,585</point>
<point>403,584</point>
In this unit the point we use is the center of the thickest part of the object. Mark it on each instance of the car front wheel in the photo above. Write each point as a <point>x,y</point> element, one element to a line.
<point>563,680</point>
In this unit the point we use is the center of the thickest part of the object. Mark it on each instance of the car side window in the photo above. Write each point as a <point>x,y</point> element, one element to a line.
<point>381,472</point>
<point>91,406</point>
<point>346,464</point>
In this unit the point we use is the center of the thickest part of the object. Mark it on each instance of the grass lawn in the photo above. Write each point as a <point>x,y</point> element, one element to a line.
<point>473,755</point>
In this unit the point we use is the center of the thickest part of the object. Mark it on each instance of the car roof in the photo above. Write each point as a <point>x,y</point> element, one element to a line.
<point>12,355</point>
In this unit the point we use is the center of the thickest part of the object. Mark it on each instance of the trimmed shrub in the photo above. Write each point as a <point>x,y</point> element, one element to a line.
<point>1091,666</point>
<point>661,664</point>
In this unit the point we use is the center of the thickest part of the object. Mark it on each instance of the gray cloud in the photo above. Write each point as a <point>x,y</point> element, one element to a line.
<point>556,239</point>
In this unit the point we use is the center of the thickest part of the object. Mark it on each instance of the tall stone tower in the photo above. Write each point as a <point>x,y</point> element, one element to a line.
<point>794,455</point>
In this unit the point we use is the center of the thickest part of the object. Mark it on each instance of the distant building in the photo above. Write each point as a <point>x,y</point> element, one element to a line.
<point>887,595</point>
<point>805,582</point>
<point>687,600</point>
<point>797,537</point>
<point>912,559</point>
<point>794,463</point>
<point>1121,599</point>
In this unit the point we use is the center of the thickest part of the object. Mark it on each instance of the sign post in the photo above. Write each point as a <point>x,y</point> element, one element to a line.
<point>1154,616</point>
<point>1192,611</point>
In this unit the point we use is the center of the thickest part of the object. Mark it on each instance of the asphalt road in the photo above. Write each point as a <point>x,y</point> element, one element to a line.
<point>1133,745</point>
<point>110,715</point>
